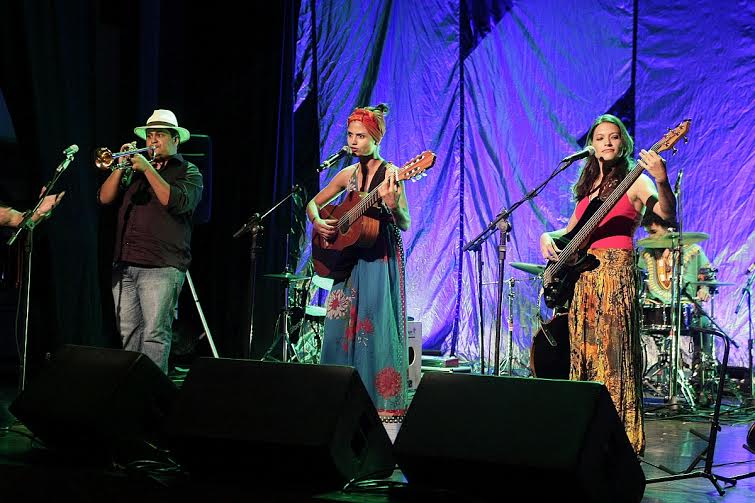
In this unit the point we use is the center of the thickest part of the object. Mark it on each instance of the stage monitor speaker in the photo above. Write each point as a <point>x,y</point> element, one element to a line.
<point>511,438</point>
<point>96,401</point>
<point>277,424</point>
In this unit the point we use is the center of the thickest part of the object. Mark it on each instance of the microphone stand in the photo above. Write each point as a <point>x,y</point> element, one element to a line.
<point>709,450</point>
<point>676,300</point>
<point>502,224</point>
<point>255,228</point>
<point>477,250</point>
<point>28,224</point>
<point>747,293</point>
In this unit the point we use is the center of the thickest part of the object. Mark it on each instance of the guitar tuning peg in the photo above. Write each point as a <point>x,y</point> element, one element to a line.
<point>686,140</point>
<point>674,150</point>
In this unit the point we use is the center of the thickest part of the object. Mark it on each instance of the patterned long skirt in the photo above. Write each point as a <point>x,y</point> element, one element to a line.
<point>365,327</point>
<point>604,336</point>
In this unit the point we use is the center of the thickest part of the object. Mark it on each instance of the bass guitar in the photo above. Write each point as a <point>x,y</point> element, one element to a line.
<point>333,258</point>
<point>560,277</point>
<point>549,355</point>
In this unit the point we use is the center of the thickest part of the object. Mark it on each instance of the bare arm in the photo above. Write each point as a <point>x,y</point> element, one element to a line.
<point>331,191</point>
<point>646,190</point>
<point>394,197</point>
<point>548,247</point>
<point>109,188</point>
<point>12,218</point>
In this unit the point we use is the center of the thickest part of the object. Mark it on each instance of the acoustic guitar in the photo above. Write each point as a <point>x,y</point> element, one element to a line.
<point>332,258</point>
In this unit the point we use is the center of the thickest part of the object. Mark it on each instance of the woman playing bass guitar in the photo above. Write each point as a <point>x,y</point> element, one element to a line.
<point>603,331</point>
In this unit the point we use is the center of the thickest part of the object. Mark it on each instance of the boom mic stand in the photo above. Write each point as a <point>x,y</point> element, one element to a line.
<point>255,228</point>
<point>502,224</point>
<point>28,224</point>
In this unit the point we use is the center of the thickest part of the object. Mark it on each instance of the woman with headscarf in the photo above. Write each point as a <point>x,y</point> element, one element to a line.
<point>365,323</point>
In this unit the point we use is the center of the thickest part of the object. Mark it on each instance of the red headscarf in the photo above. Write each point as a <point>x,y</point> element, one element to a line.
<point>373,121</point>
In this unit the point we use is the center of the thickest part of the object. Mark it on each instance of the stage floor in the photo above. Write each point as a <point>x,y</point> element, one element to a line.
<point>30,473</point>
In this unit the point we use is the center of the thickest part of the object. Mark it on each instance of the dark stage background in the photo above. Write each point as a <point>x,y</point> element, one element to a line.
<point>88,72</point>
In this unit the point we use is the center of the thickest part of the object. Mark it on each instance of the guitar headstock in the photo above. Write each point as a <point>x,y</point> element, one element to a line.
<point>674,135</point>
<point>415,168</point>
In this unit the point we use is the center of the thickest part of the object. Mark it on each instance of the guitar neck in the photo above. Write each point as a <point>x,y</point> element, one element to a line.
<point>360,208</point>
<point>599,215</point>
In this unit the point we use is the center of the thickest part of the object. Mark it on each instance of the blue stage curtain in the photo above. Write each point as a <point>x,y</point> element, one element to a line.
<point>505,105</point>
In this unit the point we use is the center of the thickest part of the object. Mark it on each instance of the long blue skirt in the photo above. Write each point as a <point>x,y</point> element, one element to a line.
<point>365,327</point>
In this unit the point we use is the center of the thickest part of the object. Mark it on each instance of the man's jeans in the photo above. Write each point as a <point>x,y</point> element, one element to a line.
<point>145,303</point>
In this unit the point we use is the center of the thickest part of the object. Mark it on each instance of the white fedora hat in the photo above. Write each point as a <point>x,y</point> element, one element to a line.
<point>162,119</point>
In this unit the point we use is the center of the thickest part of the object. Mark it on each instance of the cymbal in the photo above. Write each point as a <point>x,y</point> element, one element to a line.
<point>530,268</point>
<point>671,239</point>
<point>710,283</point>
<point>286,276</point>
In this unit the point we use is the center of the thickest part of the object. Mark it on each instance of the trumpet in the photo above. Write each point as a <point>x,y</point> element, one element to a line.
<point>104,157</point>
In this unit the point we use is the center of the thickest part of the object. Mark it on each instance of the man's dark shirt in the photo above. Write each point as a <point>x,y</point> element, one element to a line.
<point>150,234</point>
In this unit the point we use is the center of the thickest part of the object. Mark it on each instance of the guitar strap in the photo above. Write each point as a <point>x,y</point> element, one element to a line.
<point>379,177</point>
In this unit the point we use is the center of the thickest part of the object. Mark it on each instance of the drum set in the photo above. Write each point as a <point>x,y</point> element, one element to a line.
<point>674,335</point>
<point>683,347</point>
<point>300,324</point>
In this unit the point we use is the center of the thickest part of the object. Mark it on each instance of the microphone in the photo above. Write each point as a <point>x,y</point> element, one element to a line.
<point>334,158</point>
<point>585,152</point>
<point>678,181</point>
<point>750,269</point>
<point>71,150</point>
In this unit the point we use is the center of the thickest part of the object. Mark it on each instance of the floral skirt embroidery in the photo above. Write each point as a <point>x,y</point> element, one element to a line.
<point>604,336</point>
<point>365,327</point>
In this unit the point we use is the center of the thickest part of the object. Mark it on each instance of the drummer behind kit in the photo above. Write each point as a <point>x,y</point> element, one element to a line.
<point>698,373</point>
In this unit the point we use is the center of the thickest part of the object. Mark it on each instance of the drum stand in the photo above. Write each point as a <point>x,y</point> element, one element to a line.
<point>281,329</point>
<point>658,376</point>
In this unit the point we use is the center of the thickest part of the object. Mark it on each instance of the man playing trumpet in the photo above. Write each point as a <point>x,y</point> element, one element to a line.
<point>153,236</point>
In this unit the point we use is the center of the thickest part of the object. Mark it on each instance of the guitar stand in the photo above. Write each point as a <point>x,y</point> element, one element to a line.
<point>715,427</point>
